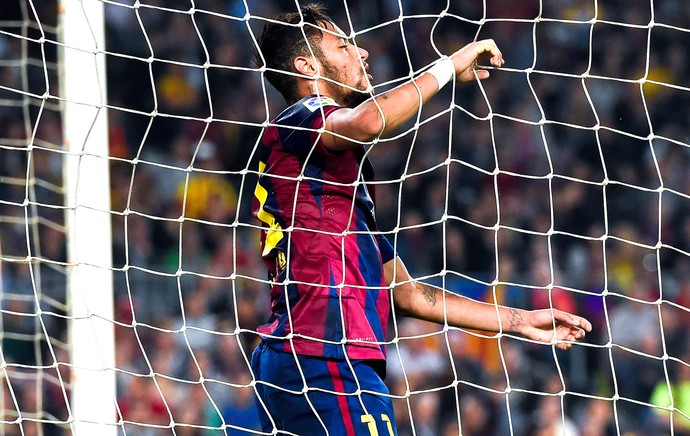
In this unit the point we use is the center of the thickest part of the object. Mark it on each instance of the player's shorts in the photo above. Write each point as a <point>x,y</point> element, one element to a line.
<point>333,403</point>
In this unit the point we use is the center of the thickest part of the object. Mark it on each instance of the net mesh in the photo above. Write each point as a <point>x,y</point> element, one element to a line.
<point>562,181</point>
<point>32,233</point>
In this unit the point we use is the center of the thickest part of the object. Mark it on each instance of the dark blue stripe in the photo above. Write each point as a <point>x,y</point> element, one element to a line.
<point>372,271</point>
<point>333,329</point>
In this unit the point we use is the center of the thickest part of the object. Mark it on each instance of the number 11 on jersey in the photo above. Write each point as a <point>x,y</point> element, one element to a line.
<point>371,424</point>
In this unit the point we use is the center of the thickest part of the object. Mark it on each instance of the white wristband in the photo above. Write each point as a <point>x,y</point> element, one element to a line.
<point>443,71</point>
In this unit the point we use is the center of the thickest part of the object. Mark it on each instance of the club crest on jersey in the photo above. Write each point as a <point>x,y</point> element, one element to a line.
<point>316,102</point>
<point>281,262</point>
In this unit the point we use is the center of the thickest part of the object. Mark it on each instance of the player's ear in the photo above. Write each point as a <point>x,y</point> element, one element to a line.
<point>305,65</point>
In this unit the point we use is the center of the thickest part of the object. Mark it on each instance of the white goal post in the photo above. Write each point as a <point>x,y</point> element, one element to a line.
<point>52,87</point>
<point>131,279</point>
<point>88,219</point>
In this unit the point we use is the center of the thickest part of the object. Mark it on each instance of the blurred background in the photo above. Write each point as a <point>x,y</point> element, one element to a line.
<point>563,180</point>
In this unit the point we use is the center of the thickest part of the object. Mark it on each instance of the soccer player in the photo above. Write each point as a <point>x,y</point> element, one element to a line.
<point>321,361</point>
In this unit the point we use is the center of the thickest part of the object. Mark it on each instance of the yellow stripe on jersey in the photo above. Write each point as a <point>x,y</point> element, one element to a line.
<point>275,234</point>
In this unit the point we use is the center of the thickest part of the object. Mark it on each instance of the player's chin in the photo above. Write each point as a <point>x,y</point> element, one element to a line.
<point>355,98</point>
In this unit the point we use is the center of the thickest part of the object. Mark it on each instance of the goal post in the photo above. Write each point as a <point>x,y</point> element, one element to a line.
<point>88,219</point>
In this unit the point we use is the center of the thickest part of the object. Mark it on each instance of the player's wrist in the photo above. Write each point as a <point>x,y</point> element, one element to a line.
<point>518,320</point>
<point>443,71</point>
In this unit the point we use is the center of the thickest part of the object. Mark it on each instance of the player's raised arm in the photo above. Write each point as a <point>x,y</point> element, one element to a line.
<point>386,112</point>
<point>430,303</point>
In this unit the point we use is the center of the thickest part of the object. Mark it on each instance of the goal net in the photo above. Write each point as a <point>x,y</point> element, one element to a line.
<point>131,282</point>
<point>33,263</point>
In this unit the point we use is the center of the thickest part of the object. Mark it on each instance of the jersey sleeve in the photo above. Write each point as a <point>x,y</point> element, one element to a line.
<point>385,247</point>
<point>298,126</point>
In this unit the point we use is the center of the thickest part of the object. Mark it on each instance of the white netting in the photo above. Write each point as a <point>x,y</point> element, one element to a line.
<point>562,181</point>
<point>32,233</point>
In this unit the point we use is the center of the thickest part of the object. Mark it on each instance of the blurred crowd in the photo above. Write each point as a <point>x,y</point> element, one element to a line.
<point>562,181</point>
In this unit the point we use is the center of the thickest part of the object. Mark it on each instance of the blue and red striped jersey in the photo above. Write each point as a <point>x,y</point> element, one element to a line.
<point>319,242</point>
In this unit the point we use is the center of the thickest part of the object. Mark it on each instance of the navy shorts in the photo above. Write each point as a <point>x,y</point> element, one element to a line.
<point>330,403</point>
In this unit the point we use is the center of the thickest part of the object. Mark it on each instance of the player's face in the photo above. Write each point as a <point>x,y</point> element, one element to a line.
<point>345,64</point>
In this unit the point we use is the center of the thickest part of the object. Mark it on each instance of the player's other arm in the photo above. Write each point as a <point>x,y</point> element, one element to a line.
<point>386,112</point>
<point>430,303</point>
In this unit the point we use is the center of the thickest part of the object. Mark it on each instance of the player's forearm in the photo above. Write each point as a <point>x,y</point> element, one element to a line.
<point>379,115</point>
<point>400,104</point>
<point>430,303</point>
<point>397,106</point>
<point>386,112</point>
<point>433,304</point>
<point>485,316</point>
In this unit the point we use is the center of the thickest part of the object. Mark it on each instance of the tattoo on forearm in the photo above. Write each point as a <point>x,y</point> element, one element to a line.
<point>429,293</point>
<point>516,318</point>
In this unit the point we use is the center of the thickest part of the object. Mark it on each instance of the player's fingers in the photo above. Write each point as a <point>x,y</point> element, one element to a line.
<point>578,336</point>
<point>586,325</point>
<point>480,74</point>
<point>572,320</point>
<point>497,61</point>
<point>565,335</point>
<point>582,323</point>
<point>489,46</point>
<point>564,346</point>
<point>471,74</point>
<point>565,341</point>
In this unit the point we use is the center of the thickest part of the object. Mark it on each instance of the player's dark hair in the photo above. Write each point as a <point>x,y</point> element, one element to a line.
<point>282,40</point>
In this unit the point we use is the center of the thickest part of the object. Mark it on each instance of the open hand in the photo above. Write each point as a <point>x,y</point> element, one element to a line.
<point>539,325</point>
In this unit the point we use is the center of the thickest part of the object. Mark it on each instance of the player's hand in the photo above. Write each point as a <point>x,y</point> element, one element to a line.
<point>539,325</point>
<point>465,59</point>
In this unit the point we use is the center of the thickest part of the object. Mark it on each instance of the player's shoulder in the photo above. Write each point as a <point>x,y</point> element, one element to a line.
<point>304,109</point>
<point>314,102</point>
